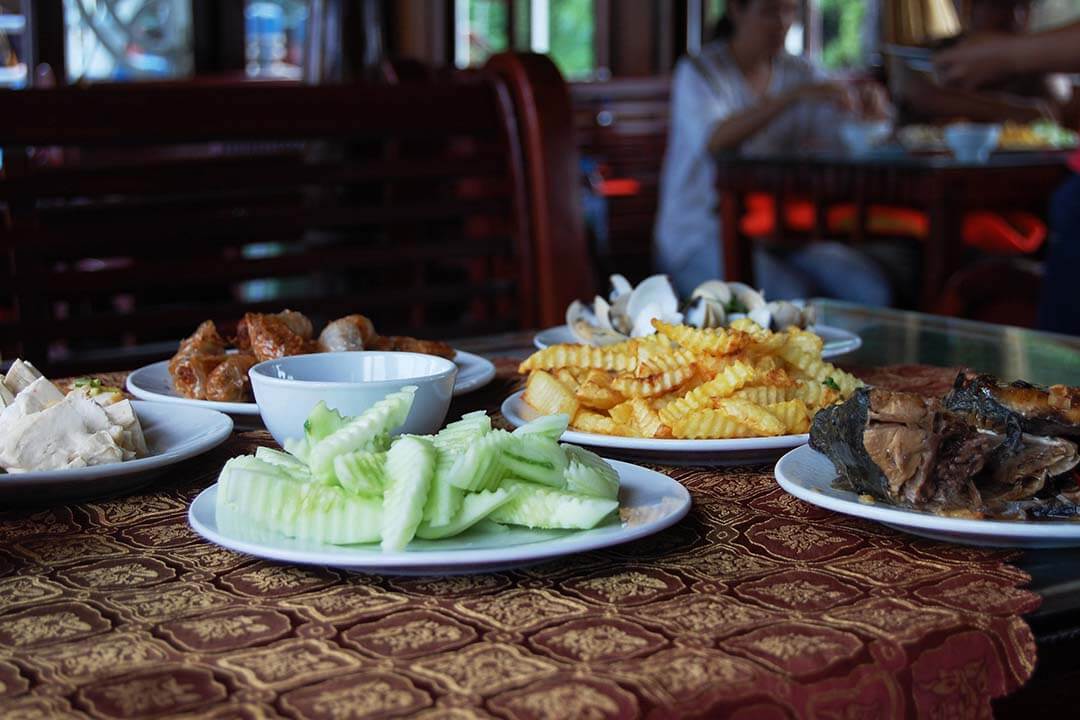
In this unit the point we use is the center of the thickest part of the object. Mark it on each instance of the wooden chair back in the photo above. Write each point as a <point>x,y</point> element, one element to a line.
<point>130,214</point>
<point>623,125</point>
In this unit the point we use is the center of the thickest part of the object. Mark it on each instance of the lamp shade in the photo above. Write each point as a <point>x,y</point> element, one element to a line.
<point>916,22</point>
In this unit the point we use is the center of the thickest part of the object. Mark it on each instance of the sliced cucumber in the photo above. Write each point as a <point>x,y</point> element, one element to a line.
<point>384,416</point>
<point>458,435</point>
<point>267,495</point>
<point>323,422</point>
<point>444,500</point>
<point>410,466</point>
<point>537,506</point>
<point>474,508</point>
<point>535,458</point>
<point>362,472</point>
<point>480,467</point>
<point>589,474</point>
<point>550,426</point>
<point>298,448</point>
<point>295,468</point>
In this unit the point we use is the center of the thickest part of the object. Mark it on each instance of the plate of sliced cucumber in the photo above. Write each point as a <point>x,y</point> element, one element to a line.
<point>469,499</point>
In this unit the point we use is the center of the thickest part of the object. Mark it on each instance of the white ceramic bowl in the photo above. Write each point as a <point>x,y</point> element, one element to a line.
<point>862,136</point>
<point>972,143</point>
<point>350,382</point>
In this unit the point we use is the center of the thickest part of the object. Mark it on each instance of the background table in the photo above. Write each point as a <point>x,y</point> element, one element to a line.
<point>757,603</point>
<point>935,184</point>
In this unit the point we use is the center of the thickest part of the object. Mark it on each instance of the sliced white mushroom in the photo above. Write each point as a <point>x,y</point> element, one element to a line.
<point>705,312</point>
<point>745,296</point>
<point>20,375</point>
<point>716,290</point>
<point>619,286</point>
<point>762,316</point>
<point>602,311</point>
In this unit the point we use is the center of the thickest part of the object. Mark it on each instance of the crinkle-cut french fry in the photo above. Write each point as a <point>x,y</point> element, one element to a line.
<point>582,356</point>
<point>816,369</point>
<point>587,421</point>
<point>793,413</point>
<point>766,346</point>
<point>727,381</point>
<point>750,414</point>
<point>598,377</point>
<point>622,413</point>
<point>598,397</point>
<point>766,363</point>
<point>805,340</point>
<point>777,377</point>
<point>716,341</point>
<point>748,326</point>
<point>662,362</point>
<point>567,378</point>
<point>708,424</point>
<point>815,394</point>
<point>646,420</point>
<point>648,344</point>
<point>763,395</point>
<point>653,385</point>
<point>549,396</point>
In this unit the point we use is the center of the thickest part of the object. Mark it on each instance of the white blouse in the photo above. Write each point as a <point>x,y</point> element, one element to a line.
<point>687,228</point>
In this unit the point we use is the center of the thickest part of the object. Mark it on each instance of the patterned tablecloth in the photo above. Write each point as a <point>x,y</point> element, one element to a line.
<point>756,606</point>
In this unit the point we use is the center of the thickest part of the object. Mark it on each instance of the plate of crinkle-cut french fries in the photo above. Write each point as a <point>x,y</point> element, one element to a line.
<point>685,394</point>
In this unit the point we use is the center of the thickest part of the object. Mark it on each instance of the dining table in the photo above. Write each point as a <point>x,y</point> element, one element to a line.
<point>756,605</point>
<point>942,187</point>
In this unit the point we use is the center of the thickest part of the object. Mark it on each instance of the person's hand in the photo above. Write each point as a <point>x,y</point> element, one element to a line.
<point>874,102</point>
<point>977,61</point>
<point>831,91</point>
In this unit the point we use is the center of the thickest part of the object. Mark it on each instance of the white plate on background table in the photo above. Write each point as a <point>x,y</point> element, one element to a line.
<point>809,476</point>
<point>837,341</point>
<point>173,434</point>
<point>649,502</point>
<point>735,451</point>
<point>153,382</point>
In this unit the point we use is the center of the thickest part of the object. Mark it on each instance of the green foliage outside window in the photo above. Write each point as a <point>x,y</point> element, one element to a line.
<point>487,29</point>
<point>842,33</point>
<point>573,30</point>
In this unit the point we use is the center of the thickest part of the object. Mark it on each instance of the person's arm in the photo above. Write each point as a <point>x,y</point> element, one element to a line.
<point>932,101</point>
<point>981,60</point>
<point>737,128</point>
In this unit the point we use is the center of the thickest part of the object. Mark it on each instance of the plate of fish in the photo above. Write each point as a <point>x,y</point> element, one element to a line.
<point>211,371</point>
<point>991,463</point>
<point>90,441</point>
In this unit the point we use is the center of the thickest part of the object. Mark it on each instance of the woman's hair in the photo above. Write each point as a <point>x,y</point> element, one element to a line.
<point>725,26</point>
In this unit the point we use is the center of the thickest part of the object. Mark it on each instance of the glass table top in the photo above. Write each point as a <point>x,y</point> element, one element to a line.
<point>892,337</point>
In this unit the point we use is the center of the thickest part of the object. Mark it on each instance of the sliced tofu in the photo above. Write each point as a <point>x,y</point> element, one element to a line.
<point>20,375</point>
<point>132,438</point>
<point>74,428</point>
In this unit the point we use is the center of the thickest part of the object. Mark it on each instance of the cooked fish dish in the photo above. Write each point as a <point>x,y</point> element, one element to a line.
<point>986,449</point>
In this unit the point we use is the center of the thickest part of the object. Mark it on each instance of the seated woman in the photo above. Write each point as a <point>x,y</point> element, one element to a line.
<point>745,93</point>
<point>1020,99</point>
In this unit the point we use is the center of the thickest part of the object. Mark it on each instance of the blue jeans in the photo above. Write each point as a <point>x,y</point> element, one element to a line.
<point>1059,307</point>
<point>825,269</point>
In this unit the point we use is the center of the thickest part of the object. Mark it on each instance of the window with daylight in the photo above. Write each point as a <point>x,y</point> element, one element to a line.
<point>275,37</point>
<point>120,40</point>
<point>843,33</point>
<point>564,29</point>
<point>1051,13</point>
<point>14,44</point>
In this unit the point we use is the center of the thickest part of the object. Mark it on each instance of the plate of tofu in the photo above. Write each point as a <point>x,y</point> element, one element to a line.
<point>91,441</point>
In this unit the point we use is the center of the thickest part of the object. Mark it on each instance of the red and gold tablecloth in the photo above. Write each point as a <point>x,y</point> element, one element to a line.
<point>756,606</point>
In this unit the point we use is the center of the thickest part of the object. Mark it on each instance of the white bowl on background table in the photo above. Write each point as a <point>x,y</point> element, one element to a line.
<point>972,142</point>
<point>286,389</point>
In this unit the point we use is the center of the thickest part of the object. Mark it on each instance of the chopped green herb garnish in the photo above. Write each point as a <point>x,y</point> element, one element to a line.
<point>830,383</point>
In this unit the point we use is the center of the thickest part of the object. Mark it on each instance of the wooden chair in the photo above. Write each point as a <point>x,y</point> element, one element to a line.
<point>130,214</point>
<point>623,124</point>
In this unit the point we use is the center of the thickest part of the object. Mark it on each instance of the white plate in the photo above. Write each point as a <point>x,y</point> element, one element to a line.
<point>173,434</point>
<point>809,476</point>
<point>837,341</point>
<point>153,382</point>
<point>650,502</point>
<point>736,451</point>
